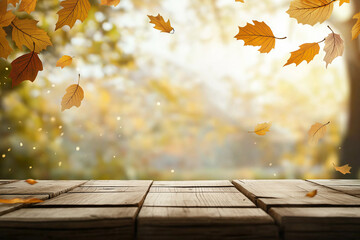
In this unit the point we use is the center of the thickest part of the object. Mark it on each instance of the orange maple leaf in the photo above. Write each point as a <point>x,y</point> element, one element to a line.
<point>110,2</point>
<point>5,48</point>
<point>311,194</point>
<point>31,181</point>
<point>27,5</point>
<point>64,61</point>
<point>72,10</point>
<point>6,19</point>
<point>160,24</point>
<point>73,96</point>
<point>343,169</point>
<point>307,52</point>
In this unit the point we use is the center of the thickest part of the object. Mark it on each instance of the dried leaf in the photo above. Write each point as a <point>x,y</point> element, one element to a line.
<point>311,194</point>
<point>310,11</point>
<point>344,1</point>
<point>261,129</point>
<point>27,6</point>
<point>73,97</point>
<point>20,200</point>
<point>72,10</point>
<point>343,169</point>
<point>307,52</point>
<point>258,34</point>
<point>316,132</point>
<point>64,61</point>
<point>25,32</point>
<point>25,67</point>
<point>160,24</point>
<point>356,28</point>
<point>6,19</point>
<point>110,2</point>
<point>31,181</point>
<point>334,47</point>
<point>5,48</point>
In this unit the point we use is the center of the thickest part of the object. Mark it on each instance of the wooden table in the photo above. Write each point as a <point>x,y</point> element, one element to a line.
<point>145,209</point>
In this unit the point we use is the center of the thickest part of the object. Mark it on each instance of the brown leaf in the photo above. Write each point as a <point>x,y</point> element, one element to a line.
<point>311,194</point>
<point>73,96</point>
<point>27,6</point>
<point>307,52</point>
<point>110,2</point>
<point>343,169</point>
<point>72,10</point>
<point>20,200</point>
<point>334,47</point>
<point>5,48</point>
<point>316,132</point>
<point>64,61</point>
<point>25,67</point>
<point>160,24</point>
<point>6,19</point>
<point>31,181</point>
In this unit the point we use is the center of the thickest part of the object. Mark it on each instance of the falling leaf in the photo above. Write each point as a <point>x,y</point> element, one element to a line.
<point>334,47</point>
<point>343,169</point>
<point>160,24</point>
<point>307,52</point>
<point>356,28</point>
<point>261,129</point>
<point>310,11</point>
<point>25,32</point>
<point>239,1</point>
<point>20,200</point>
<point>110,2</point>
<point>73,96</point>
<point>316,132</point>
<point>27,5</point>
<point>5,48</point>
<point>72,10</point>
<point>311,194</point>
<point>31,181</point>
<point>258,34</point>
<point>344,1</point>
<point>64,61</point>
<point>6,19</point>
<point>25,67</point>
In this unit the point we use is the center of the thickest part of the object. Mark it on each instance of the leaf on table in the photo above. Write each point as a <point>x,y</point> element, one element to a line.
<point>316,132</point>
<point>261,129</point>
<point>25,32</point>
<point>344,1</point>
<point>160,24</point>
<point>306,52</point>
<point>27,6</point>
<point>334,47</point>
<point>310,11</point>
<point>6,19</point>
<point>20,200</point>
<point>25,67</point>
<point>356,28</point>
<point>311,194</point>
<point>13,2</point>
<point>64,61</point>
<point>110,2</point>
<point>258,34</point>
<point>5,48</point>
<point>73,96</point>
<point>343,169</point>
<point>31,181</point>
<point>72,10</point>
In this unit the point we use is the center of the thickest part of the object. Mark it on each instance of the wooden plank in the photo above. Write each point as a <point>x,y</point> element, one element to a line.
<point>349,186</point>
<point>318,223</point>
<point>6,208</point>
<point>193,189</point>
<point>95,199</point>
<point>205,223</point>
<point>118,183</point>
<point>199,183</point>
<point>96,189</point>
<point>208,199</point>
<point>69,223</point>
<point>286,193</point>
<point>5,181</point>
<point>50,187</point>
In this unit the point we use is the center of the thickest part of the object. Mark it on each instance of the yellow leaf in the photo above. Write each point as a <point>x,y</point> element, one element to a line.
<point>261,129</point>
<point>343,169</point>
<point>25,32</point>
<point>160,24</point>
<point>64,61</point>
<point>307,52</point>
<point>334,47</point>
<point>27,5</point>
<point>20,200</point>
<point>356,28</point>
<point>73,96</point>
<point>110,2</point>
<point>72,10</point>
<point>31,181</point>
<point>5,48</point>
<point>344,1</point>
<point>310,11</point>
<point>6,19</point>
<point>316,132</point>
<point>239,1</point>
<point>311,194</point>
<point>258,34</point>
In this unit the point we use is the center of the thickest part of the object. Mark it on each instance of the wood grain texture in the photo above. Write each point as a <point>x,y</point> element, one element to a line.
<point>118,183</point>
<point>96,189</point>
<point>198,183</point>
<point>349,186</point>
<point>5,181</point>
<point>207,199</point>
<point>50,187</point>
<point>205,223</point>
<point>193,189</point>
<point>6,208</point>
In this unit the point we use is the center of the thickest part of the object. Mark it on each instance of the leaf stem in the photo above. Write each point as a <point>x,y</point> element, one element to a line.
<point>330,29</point>
<point>79,79</point>
<point>34,46</point>
<point>280,38</point>
<point>322,40</point>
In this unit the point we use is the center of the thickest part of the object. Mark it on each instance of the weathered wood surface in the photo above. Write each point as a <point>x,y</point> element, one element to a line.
<point>348,186</point>
<point>6,208</point>
<point>118,183</point>
<point>197,183</point>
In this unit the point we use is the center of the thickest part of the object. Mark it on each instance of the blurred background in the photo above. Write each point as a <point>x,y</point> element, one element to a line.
<point>179,106</point>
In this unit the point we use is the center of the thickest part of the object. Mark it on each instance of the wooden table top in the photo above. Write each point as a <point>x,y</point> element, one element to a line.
<point>145,209</point>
